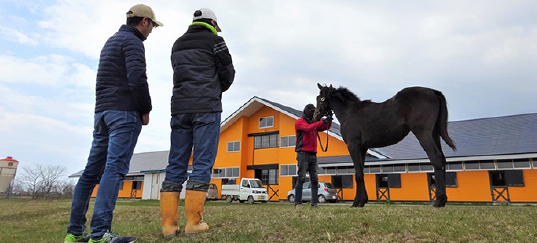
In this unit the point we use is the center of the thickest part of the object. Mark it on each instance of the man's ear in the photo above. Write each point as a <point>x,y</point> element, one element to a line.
<point>145,21</point>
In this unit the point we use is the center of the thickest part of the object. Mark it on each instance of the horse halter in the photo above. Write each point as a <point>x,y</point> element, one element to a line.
<point>326,112</point>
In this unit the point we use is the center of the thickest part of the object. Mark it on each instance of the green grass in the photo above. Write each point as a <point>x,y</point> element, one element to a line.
<point>46,221</point>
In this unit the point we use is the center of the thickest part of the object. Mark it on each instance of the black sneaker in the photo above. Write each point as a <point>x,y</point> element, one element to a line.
<point>109,237</point>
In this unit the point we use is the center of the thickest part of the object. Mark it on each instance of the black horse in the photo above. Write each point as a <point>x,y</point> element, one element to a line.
<point>366,124</point>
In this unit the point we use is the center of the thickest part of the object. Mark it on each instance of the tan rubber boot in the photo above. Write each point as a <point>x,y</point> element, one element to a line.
<point>194,202</point>
<point>169,201</point>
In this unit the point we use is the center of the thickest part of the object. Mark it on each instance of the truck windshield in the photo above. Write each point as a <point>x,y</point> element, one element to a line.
<point>256,184</point>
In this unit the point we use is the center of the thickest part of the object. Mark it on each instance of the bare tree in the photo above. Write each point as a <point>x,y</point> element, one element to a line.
<point>43,181</point>
<point>67,187</point>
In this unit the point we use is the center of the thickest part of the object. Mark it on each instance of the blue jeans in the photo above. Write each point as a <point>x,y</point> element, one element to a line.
<point>307,162</point>
<point>193,132</point>
<point>114,137</point>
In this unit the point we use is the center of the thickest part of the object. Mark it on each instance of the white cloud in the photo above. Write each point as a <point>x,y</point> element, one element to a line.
<point>52,70</point>
<point>481,55</point>
<point>14,35</point>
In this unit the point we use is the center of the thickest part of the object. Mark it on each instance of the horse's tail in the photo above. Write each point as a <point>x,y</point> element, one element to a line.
<point>441,122</point>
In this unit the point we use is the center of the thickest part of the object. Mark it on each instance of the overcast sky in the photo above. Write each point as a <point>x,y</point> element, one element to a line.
<point>481,54</point>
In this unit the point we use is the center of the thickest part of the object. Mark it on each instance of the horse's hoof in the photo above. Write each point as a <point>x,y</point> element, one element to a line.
<point>438,206</point>
<point>440,202</point>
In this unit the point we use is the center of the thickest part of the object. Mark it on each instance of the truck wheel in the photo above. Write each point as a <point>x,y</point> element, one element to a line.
<point>251,200</point>
<point>229,198</point>
<point>291,198</point>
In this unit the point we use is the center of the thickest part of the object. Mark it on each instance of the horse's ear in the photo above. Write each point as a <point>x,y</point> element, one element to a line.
<point>319,85</point>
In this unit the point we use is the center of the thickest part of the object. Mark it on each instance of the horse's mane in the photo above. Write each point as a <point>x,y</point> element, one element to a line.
<point>346,94</point>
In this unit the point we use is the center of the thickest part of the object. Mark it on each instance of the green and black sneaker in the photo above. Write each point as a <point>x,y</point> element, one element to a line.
<point>84,237</point>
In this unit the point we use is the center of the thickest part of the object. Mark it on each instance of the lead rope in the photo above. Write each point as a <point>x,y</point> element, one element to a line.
<point>319,138</point>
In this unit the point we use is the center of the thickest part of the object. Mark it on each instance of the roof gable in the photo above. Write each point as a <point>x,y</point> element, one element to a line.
<point>255,103</point>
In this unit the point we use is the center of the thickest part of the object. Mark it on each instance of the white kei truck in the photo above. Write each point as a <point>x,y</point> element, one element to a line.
<point>250,190</point>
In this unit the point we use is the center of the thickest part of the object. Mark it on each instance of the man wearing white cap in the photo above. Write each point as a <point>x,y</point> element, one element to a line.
<point>202,70</point>
<point>122,106</point>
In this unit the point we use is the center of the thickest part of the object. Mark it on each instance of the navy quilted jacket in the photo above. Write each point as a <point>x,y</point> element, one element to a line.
<point>121,77</point>
<point>202,70</point>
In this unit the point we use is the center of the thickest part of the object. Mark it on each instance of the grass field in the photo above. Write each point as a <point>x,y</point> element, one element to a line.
<point>46,221</point>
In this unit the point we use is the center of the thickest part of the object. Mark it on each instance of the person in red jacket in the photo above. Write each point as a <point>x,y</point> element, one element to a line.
<point>306,152</point>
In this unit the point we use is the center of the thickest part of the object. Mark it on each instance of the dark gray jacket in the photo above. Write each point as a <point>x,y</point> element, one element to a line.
<point>202,70</point>
<point>121,77</point>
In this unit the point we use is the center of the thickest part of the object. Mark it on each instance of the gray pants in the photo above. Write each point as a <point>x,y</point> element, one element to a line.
<point>307,162</point>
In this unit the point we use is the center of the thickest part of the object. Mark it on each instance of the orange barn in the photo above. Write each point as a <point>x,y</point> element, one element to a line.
<point>496,160</point>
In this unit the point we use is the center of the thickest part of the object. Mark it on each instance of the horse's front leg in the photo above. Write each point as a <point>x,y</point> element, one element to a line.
<point>358,157</point>
<point>361,194</point>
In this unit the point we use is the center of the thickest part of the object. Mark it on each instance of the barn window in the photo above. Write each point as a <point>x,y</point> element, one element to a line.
<point>231,172</point>
<point>342,181</point>
<point>226,181</point>
<point>506,178</point>
<point>514,177</point>
<point>387,168</point>
<point>330,170</point>
<point>426,167</point>
<point>451,179</point>
<point>374,169</point>
<point>454,166</point>
<point>269,177</point>
<point>288,170</point>
<point>486,165</point>
<point>399,168</point>
<point>266,141</point>
<point>287,141</point>
<point>345,170</point>
<point>389,181</point>
<point>413,167</point>
<point>505,164</point>
<point>471,165</point>
<point>137,185</point>
<point>521,163</point>
<point>234,146</point>
<point>265,122</point>
<point>347,181</point>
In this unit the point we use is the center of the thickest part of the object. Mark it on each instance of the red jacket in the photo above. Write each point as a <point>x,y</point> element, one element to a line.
<point>306,134</point>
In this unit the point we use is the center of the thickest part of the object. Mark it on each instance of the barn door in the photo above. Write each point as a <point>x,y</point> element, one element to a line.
<point>383,189</point>
<point>451,181</point>
<point>155,185</point>
<point>499,189</point>
<point>432,186</point>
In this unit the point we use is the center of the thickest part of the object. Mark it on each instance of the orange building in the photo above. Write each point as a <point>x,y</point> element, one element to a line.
<point>496,160</point>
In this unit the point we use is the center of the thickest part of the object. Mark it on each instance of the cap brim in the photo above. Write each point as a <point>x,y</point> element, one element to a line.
<point>158,23</point>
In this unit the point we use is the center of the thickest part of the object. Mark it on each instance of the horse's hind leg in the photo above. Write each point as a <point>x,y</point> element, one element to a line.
<point>358,157</point>
<point>431,144</point>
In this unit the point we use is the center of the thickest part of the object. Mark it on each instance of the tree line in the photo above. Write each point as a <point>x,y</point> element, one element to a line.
<point>42,182</point>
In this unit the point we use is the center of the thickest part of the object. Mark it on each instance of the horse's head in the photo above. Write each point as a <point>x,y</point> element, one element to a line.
<point>323,106</point>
